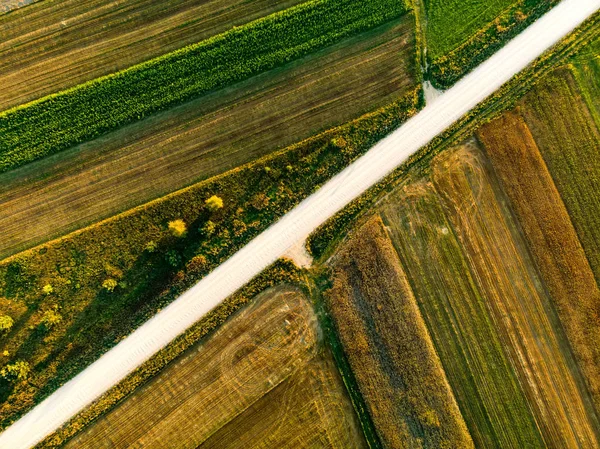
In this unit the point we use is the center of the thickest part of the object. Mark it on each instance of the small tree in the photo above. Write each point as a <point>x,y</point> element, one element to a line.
<point>109,284</point>
<point>177,228</point>
<point>173,258</point>
<point>151,246</point>
<point>214,203</point>
<point>47,289</point>
<point>15,371</point>
<point>50,318</point>
<point>6,323</point>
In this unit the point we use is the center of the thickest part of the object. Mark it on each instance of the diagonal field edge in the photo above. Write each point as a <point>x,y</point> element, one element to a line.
<point>240,268</point>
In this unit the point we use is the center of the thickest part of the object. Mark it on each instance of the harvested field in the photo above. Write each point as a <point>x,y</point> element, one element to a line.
<point>465,335</point>
<point>388,347</point>
<point>522,312</point>
<point>451,22</point>
<point>261,379</point>
<point>56,44</point>
<point>568,140</point>
<point>205,137</point>
<point>551,237</point>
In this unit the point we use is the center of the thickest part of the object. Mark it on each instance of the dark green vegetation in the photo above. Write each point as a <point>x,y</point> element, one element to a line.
<point>92,38</point>
<point>59,121</point>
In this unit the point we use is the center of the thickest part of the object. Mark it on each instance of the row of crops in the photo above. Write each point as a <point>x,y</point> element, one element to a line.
<point>54,123</point>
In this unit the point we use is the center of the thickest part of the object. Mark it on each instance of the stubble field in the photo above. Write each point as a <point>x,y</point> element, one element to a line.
<point>262,380</point>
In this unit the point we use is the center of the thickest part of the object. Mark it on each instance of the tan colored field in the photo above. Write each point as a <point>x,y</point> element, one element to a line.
<point>388,347</point>
<point>205,137</point>
<point>261,381</point>
<point>552,239</point>
<point>56,44</point>
<point>503,270</point>
<point>568,139</point>
<point>465,336</point>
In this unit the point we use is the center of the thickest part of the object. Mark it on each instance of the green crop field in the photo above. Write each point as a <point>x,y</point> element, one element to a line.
<point>451,22</point>
<point>459,35</point>
<point>465,336</point>
<point>57,44</point>
<point>264,378</point>
<point>207,136</point>
<point>389,349</point>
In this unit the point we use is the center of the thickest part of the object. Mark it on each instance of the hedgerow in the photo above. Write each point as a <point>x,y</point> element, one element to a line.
<point>59,121</point>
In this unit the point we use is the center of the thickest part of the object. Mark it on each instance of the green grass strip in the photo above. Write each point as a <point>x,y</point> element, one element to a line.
<point>59,121</point>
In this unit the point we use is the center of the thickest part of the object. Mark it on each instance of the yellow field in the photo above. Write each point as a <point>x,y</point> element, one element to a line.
<point>389,349</point>
<point>262,380</point>
<point>522,312</point>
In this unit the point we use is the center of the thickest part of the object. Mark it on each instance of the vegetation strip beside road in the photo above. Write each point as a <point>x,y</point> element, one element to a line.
<point>57,122</point>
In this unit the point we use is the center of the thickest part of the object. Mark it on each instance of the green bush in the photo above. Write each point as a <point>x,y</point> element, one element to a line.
<point>60,121</point>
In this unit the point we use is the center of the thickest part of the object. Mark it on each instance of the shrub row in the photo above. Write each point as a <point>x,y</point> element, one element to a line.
<point>146,259</point>
<point>448,69</point>
<point>323,240</point>
<point>59,121</point>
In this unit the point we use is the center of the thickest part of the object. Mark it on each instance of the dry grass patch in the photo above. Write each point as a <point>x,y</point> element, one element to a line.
<point>552,239</point>
<point>389,349</point>
<point>522,312</point>
<point>217,132</point>
<point>261,379</point>
<point>465,335</point>
<point>56,44</point>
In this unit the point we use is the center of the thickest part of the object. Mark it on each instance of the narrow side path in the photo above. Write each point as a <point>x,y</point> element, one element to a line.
<point>296,225</point>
